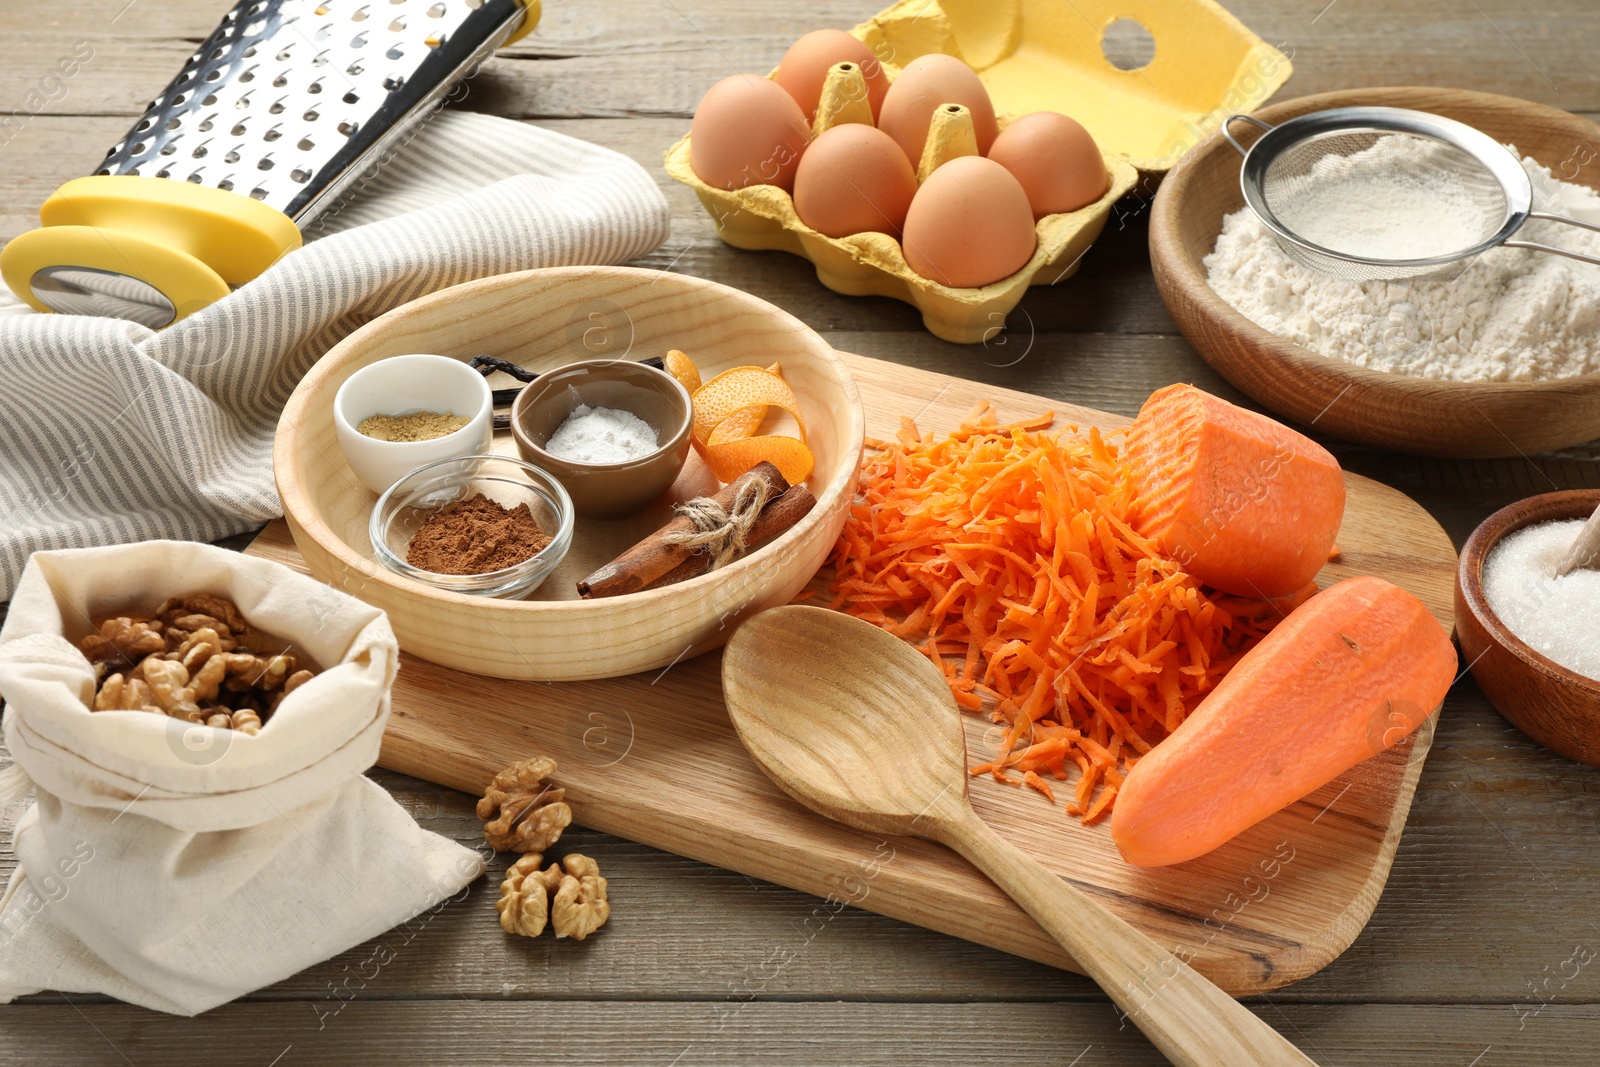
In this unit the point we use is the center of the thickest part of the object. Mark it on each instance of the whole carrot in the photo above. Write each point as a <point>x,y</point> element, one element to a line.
<point>1349,673</point>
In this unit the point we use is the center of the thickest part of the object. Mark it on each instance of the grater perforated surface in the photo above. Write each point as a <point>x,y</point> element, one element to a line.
<point>287,99</point>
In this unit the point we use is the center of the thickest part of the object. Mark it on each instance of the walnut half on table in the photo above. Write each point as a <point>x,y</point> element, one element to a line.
<point>520,812</point>
<point>524,813</point>
<point>574,900</point>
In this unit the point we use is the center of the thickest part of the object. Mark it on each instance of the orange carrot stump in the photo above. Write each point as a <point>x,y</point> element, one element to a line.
<point>1247,505</point>
<point>1353,671</point>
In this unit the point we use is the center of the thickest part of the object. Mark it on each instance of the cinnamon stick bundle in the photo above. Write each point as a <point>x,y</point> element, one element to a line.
<point>655,556</point>
<point>775,518</point>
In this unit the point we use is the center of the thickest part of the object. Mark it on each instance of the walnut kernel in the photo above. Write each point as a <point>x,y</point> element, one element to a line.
<point>524,903</point>
<point>573,901</point>
<point>121,693</point>
<point>520,812</point>
<point>221,613</point>
<point>580,907</point>
<point>124,640</point>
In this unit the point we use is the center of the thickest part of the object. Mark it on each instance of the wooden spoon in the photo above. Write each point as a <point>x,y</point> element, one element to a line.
<point>1585,551</point>
<point>857,725</point>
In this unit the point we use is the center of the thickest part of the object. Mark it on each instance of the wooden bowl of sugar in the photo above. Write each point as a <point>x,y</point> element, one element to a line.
<point>543,319</point>
<point>1515,621</point>
<point>1463,419</point>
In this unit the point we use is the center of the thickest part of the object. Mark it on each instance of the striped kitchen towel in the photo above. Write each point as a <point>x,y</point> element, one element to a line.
<point>112,433</point>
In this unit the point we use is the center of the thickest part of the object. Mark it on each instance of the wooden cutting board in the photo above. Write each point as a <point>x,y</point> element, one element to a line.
<point>653,758</point>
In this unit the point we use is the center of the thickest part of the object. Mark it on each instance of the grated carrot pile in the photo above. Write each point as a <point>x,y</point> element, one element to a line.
<point>1006,555</point>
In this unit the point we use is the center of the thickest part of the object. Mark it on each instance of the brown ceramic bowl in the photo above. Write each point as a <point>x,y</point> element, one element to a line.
<point>1557,707</point>
<point>606,490</point>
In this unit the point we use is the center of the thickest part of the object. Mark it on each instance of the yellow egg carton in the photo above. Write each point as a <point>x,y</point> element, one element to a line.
<point>1031,55</point>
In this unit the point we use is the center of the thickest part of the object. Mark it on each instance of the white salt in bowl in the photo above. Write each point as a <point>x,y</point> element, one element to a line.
<point>606,490</point>
<point>1557,707</point>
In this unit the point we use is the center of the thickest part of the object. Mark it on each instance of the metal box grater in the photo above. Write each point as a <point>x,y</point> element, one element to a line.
<point>287,102</point>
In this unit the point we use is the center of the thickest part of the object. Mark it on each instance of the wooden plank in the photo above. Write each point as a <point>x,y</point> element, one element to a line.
<point>850,1031</point>
<point>574,27</point>
<point>594,59</point>
<point>41,155</point>
<point>680,781</point>
<point>1497,862</point>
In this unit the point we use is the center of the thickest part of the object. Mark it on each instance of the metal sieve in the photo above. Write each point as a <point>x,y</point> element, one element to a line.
<point>1312,180</point>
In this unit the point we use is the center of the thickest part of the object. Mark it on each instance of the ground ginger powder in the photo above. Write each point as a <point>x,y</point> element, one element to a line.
<point>417,426</point>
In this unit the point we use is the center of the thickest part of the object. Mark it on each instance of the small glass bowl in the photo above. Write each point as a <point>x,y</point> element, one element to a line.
<point>508,481</point>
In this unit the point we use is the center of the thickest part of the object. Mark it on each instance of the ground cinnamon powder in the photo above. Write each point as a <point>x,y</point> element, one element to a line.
<point>475,536</point>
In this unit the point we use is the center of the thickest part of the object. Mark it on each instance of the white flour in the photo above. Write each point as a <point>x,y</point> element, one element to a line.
<point>1512,315</point>
<point>1398,199</point>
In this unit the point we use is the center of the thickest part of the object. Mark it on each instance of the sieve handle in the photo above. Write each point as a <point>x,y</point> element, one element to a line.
<point>1237,147</point>
<point>1548,217</point>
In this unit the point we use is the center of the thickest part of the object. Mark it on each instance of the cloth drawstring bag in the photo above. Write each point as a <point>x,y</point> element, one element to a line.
<point>177,866</point>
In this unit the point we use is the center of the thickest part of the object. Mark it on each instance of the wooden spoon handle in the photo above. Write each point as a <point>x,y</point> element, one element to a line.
<point>1191,1021</point>
<point>1585,551</point>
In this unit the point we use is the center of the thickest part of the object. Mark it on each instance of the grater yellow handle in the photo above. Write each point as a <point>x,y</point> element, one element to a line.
<point>529,21</point>
<point>188,243</point>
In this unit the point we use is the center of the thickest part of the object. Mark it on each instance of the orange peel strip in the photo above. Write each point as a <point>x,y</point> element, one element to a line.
<point>742,424</point>
<point>680,366</point>
<point>790,455</point>
<point>739,425</point>
<point>731,407</point>
<point>739,389</point>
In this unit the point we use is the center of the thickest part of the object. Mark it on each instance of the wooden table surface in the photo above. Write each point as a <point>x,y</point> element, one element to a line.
<point>1465,961</point>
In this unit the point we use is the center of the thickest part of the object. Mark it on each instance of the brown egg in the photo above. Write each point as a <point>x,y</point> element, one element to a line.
<point>969,225</point>
<point>924,84</point>
<point>747,131</point>
<point>1055,159</point>
<point>852,179</point>
<point>805,66</point>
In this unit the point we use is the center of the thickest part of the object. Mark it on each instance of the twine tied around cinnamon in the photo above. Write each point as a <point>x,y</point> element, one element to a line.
<point>720,532</point>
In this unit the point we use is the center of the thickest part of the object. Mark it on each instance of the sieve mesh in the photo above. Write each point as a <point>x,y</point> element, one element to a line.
<point>1340,190</point>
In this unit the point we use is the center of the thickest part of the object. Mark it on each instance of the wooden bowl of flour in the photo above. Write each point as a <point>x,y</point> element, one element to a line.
<point>1430,417</point>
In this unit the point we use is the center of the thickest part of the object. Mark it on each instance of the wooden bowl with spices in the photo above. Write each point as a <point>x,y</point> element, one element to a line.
<point>541,320</point>
<point>1426,415</point>
<point>1505,583</point>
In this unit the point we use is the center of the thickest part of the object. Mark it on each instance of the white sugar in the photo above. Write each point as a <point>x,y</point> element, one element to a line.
<point>602,435</point>
<point>1559,617</point>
